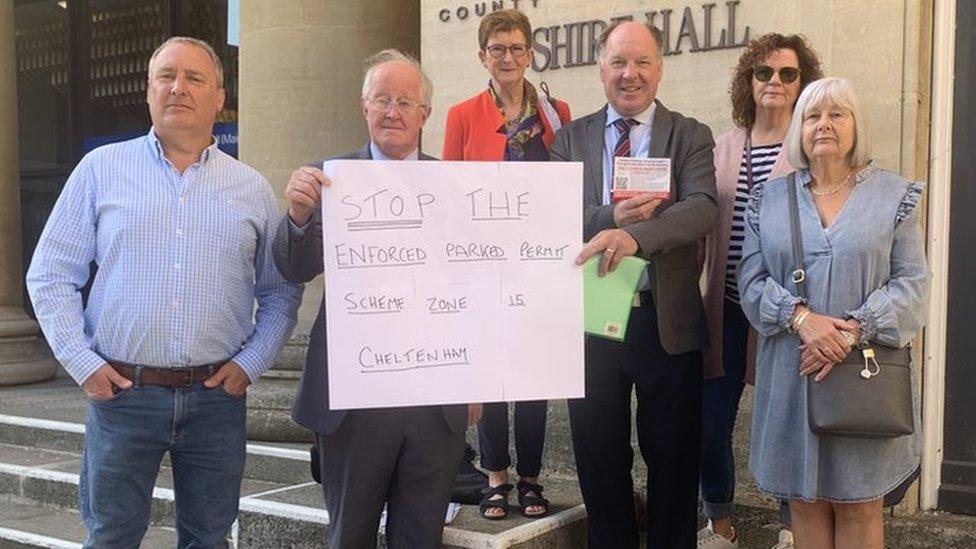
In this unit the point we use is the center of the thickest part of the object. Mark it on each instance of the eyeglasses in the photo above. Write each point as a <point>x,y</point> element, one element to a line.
<point>384,104</point>
<point>498,50</point>
<point>764,73</point>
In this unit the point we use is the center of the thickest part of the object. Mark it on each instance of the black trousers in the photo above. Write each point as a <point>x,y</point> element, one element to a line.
<point>404,457</point>
<point>669,395</point>
<point>530,434</point>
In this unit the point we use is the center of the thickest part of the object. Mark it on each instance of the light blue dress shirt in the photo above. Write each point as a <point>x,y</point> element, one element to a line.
<point>181,259</point>
<point>377,154</point>
<point>640,142</point>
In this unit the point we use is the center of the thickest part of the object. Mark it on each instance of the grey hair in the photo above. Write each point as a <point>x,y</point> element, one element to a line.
<point>828,91</point>
<point>193,42</point>
<point>389,55</point>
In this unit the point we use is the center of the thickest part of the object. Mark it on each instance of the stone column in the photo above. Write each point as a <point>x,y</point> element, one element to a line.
<point>301,68</point>
<point>24,357</point>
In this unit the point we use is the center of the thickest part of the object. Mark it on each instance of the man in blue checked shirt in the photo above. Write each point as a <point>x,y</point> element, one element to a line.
<point>169,340</point>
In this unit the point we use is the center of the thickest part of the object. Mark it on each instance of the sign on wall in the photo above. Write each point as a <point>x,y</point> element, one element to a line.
<point>691,29</point>
<point>452,282</point>
<point>703,41</point>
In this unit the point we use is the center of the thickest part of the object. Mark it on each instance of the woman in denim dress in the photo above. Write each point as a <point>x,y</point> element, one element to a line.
<point>867,282</point>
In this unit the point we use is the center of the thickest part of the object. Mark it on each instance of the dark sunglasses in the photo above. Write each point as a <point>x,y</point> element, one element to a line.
<point>764,73</point>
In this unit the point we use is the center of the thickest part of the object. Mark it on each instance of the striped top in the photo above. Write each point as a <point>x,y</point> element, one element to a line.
<point>182,258</point>
<point>763,158</point>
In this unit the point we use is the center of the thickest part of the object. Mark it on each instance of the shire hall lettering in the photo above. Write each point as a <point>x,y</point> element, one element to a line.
<point>692,29</point>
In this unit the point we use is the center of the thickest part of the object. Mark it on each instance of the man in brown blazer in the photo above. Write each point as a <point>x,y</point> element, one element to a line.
<point>661,355</point>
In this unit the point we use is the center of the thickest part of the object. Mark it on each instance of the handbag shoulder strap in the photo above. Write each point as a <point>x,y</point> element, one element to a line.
<point>799,274</point>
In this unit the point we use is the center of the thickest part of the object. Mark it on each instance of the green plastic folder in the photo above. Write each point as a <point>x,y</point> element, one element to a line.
<point>607,300</point>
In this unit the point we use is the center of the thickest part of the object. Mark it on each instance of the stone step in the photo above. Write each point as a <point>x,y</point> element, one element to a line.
<point>42,436</point>
<point>292,515</point>
<point>24,523</point>
<point>266,461</point>
<point>49,478</point>
<point>60,400</point>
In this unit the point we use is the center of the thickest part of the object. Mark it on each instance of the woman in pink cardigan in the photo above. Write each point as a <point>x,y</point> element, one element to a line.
<point>769,77</point>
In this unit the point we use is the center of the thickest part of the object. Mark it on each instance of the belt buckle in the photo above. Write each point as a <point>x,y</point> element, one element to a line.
<point>188,374</point>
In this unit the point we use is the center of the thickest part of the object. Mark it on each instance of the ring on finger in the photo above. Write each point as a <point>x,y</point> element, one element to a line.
<point>610,251</point>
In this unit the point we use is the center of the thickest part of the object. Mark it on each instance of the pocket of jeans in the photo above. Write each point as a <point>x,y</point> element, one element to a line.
<point>220,388</point>
<point>119,393</point>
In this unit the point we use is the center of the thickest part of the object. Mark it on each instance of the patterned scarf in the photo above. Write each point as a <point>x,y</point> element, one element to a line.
<point>524,127</point>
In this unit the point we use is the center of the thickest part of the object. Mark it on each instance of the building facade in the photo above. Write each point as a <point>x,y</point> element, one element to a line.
<point>76,79</point>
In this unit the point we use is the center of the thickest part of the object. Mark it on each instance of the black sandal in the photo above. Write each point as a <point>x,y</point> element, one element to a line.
<point>525,500</point>
<point>487,503</point>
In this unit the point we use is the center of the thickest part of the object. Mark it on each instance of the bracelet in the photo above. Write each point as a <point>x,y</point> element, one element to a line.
<point>798,319</point>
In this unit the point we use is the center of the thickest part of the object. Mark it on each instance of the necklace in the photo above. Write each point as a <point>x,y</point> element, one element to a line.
<point>835,188</point>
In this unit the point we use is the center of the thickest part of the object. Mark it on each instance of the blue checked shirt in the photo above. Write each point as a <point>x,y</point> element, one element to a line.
<point>181,260</point>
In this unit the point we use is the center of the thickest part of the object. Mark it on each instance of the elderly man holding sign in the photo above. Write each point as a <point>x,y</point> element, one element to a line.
<point>406,457</point>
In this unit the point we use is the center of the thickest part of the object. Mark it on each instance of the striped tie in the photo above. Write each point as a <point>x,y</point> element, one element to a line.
<point>623,126</point>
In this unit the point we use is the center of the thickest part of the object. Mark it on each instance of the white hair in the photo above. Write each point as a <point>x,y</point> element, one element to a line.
<point>218,66</point>
<point>828,91</point>
<point>389,55</point>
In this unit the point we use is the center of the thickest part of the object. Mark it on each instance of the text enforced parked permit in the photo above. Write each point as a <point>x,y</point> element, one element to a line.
<point>632,176</point>
<point>452,282</point>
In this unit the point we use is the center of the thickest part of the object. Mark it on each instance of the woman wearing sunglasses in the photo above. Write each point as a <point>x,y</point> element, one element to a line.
<point>508,121</point>
<point>766,82</point>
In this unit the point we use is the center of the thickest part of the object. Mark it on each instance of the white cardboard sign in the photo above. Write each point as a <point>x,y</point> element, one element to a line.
<point>452,282</point>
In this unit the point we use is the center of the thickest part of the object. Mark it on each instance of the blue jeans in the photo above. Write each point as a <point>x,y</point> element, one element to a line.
<point>125,439</point>
<point>720,404</point>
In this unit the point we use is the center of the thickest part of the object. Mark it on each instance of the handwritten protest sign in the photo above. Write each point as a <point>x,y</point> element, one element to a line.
<point>452,282</point>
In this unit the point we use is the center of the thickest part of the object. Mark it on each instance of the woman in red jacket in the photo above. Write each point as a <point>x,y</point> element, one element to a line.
<point>508,121</point>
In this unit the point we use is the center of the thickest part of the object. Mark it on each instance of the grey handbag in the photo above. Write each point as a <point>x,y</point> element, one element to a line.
<point>869,393</point>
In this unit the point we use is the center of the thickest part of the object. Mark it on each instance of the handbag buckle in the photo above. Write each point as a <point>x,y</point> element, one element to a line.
<point>799,276</point>
<point>869,360</point>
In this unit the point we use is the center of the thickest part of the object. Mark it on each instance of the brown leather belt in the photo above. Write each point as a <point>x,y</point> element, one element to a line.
<point>168,377</point>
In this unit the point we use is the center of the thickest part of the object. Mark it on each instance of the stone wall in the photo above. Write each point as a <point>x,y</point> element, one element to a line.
<point>881,45</point>
<point>301,69</point>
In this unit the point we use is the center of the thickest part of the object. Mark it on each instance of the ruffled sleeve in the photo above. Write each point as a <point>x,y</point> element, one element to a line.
<point>893,314</point>
<point>909,202</point>
<point>754,205</point>
<point>765,302</point>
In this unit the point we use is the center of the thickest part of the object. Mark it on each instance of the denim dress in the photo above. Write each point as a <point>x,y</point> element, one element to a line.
<point>868,265</point>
